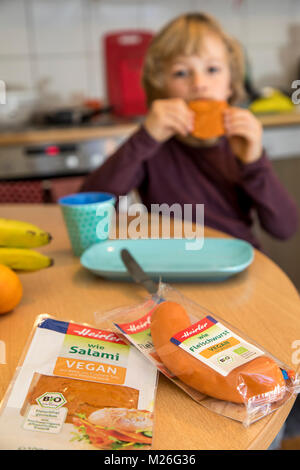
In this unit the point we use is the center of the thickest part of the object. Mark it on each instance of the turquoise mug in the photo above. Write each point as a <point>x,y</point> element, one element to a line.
<point>87,217</point>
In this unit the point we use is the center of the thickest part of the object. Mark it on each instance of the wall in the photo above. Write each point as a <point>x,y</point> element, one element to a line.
<point>56,43</point>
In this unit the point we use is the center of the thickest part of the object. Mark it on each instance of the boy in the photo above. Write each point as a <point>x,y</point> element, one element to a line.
<point>193,59</point>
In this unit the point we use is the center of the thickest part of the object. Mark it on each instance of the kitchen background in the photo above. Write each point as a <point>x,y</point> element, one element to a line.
<point>59,42</point>
<point>55,49</point>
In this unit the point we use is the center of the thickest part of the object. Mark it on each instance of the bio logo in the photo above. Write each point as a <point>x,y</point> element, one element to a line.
<point>51,400</point>
<point>225,359</point>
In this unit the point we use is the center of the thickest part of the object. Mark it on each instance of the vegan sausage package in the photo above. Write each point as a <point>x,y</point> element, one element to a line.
<point>79,387</point>
<point>212,361</point>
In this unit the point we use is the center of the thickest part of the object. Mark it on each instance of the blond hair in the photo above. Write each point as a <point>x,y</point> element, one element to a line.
<point>183,36</point>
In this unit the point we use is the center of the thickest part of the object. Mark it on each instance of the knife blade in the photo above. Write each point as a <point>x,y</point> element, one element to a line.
<point>137,273</point>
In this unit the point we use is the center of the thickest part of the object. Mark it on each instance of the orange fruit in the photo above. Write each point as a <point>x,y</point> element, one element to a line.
<point>11,289</point>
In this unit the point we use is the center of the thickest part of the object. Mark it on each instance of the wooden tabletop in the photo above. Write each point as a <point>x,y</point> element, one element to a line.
<point>261,301</point>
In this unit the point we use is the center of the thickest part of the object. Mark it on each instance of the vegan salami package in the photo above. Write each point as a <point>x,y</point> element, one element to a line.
<point>212,361</point>
<point>79,387</point>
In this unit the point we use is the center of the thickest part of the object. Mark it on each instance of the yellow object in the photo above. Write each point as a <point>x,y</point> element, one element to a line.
<point>275,101</point>
<point>18,234</point>
<point>24,259</point>
<point>11,289</point>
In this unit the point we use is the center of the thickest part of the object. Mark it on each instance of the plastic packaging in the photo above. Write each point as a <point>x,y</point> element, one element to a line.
<point>217,365</point>
<point>80,388</point>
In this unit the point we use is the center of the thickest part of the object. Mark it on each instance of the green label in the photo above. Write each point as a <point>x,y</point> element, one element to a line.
<point>87,349</point>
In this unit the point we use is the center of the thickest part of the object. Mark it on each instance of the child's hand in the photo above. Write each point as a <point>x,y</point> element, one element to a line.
<point>244,132</point>
<point>169,117</point>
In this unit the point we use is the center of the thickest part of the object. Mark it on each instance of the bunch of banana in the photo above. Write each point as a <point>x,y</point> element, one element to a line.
<point>16,240</point>
<point>20,234</point>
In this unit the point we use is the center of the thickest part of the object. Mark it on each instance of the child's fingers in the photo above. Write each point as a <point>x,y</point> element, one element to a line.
<point>240,123</point>
<point>234,111</point>
<point>177,124</point>
<point>242,131</point>
<point>179,108</point>
<point>233,127</point>
<point>177,111</point>
<point>242,118</point>
<point>184,120</point>
<point>236,115</point>
<point>168,117</point>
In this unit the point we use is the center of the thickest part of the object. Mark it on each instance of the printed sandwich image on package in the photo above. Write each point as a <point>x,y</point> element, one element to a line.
<point>79,387</point>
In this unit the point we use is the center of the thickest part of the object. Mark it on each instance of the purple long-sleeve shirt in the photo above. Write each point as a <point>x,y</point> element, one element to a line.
<point>174,172</point>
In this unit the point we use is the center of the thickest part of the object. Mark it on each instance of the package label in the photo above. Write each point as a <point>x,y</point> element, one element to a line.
<point>139,334</point>
<point>79,388</point>
<point>84,356</point>
<point>45,419</point>
<point>217,346</point>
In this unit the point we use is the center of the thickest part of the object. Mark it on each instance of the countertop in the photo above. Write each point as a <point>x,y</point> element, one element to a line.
<point>64,134</point>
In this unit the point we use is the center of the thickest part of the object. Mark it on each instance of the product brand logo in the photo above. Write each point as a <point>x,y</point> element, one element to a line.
<point>51,400</point>
<point>194,329</point>
<point>102,335</point>
<point>136,327</point>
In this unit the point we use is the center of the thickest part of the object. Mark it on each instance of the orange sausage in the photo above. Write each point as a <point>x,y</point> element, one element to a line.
<point>208,118</point>
<point>259,376</point>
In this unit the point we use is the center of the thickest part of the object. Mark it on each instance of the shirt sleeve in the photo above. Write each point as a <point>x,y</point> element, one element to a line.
<point>276,210</point>
<point>124,170</point>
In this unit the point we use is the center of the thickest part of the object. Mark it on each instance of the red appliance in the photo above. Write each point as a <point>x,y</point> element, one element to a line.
<point>124,56</point>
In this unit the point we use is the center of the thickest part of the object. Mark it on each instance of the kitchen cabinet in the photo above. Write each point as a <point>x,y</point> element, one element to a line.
<point>285,253</point>
<point>281,140</point>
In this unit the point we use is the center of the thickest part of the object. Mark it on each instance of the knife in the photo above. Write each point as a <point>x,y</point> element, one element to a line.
<point>137,272</point>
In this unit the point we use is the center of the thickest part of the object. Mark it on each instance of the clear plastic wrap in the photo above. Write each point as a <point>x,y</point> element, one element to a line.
<point>78,388</point>
<point>217,365</point>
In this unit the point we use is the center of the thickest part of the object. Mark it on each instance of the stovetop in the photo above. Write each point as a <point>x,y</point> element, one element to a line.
<point>97,121</point>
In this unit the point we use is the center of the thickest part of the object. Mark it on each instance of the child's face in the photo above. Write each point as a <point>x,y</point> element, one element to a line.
<point>202,76</point>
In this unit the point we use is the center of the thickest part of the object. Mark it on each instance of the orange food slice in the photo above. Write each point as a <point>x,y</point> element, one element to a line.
<point>208,118</point>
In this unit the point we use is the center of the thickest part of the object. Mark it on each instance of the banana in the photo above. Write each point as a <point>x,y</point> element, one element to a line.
<point>24,259</point>
<point>18,234</point>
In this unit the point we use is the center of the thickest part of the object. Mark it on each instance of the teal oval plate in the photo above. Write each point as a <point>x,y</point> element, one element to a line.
<point>170,260</point>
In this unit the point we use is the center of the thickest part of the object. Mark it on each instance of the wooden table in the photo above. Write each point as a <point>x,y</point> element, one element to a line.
<point>261,301</point>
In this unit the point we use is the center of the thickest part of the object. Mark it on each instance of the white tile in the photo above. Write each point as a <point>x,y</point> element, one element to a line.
<point>154,14</point>
<point>96,76</point>
<point>267,22</point>
<point>66,77</point>
<point>16,72</point>
<point>229,14</point>
<point>295,10</point>
<point>58,26</point>
<point>294,26</point>
<point>267,66</point>
<point>13,28</point>
<point>108,16</point>
<point>282,142</point>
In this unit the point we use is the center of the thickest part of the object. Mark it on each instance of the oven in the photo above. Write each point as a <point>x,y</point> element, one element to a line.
<point>43,172</point>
